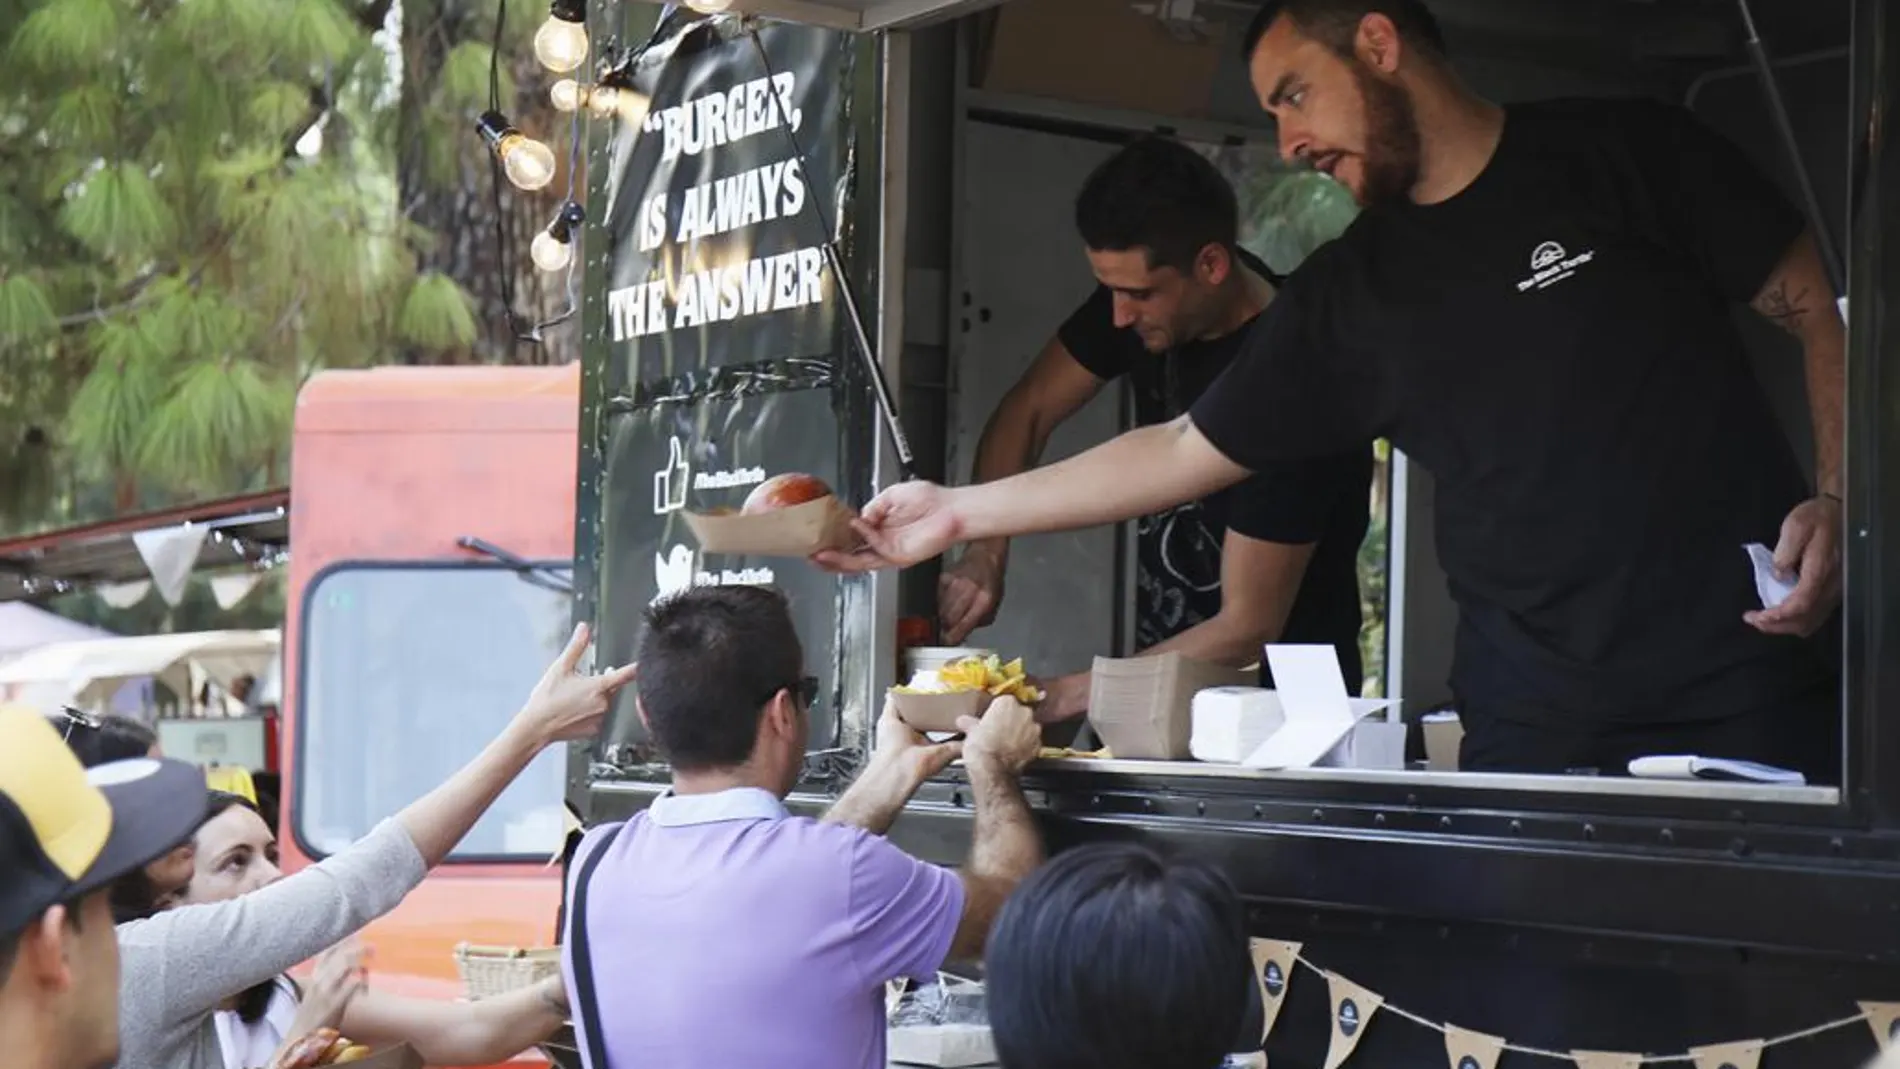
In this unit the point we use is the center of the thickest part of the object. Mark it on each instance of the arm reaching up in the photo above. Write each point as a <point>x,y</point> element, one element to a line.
<point>563,707</point>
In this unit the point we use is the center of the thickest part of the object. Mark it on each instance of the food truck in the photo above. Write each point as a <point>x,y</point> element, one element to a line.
<point>428,594</point>
<point>824,235</point>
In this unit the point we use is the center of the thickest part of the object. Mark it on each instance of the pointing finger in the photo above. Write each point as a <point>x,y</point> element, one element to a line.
<point>576,648</point>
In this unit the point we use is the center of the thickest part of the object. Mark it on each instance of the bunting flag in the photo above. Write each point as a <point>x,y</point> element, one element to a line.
<point>1745,1054</point>
<point>170,554</point>
<point>1471,1050</point>
<point>233,587</point>
<point>124,595</point>
<point>1884,1019</point>
<point>1273,971</point>
<point>1353,1007</point>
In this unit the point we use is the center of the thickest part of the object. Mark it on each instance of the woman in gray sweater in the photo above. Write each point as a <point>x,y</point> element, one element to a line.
<point>180,966</point>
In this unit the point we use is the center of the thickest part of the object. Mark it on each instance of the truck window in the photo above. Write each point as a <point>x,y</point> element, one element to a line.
<point>407,671</point>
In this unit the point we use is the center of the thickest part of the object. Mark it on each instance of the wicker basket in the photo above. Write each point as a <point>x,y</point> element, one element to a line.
<point>489,971</point>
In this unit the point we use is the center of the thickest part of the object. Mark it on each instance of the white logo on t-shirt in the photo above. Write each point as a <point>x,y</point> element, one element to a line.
<point>1551,264</point>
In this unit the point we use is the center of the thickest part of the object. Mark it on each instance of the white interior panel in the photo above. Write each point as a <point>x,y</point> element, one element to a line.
<point>1024,272</point>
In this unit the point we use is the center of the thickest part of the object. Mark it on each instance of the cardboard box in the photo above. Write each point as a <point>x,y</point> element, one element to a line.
<point>1100,52</point>
<point>1142,707</point>
<point>798,531</point>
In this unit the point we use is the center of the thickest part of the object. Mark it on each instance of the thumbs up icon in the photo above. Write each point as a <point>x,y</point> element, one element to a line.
<point>670,482</point>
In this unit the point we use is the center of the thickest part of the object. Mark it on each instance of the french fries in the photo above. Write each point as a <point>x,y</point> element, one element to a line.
<point>990,674</point>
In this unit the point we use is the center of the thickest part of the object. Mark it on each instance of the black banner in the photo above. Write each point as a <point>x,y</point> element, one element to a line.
<point>717,220</point>
<point>716,351</point>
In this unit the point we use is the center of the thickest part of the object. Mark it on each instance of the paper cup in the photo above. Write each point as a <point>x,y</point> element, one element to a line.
<point>798,531</point>
<point>1443,734</point>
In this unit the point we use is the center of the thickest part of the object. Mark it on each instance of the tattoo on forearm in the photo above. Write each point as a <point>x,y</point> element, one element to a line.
<point>1785,309</point>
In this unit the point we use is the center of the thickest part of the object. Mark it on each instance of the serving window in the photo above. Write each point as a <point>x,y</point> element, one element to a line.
<point>1026,134</point>
<point>992,117</point>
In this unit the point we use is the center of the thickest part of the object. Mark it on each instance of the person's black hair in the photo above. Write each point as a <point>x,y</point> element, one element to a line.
<point>710,660</point>
<point>1334,23</point>
<point>98,740</point>
<point>1160,195</point>
<point>134,895</point>
<point>1116,957</point>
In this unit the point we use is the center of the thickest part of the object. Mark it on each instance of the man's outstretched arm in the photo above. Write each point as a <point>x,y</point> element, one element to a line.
<point>1135,474</point>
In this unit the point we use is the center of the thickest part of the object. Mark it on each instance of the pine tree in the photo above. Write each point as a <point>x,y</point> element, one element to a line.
<point>202,202</point>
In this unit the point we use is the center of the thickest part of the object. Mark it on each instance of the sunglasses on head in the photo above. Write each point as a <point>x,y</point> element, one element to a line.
<point>805,690</point>
<point>76,718</point>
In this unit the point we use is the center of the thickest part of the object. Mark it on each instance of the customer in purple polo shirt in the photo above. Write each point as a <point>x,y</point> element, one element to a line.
<point>722,931</point>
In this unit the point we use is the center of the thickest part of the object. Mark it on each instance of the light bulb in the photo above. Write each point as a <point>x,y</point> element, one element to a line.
<point>603,100</point>
<point>709,7</point>
<point>566,94</point>
<point>560,45</point>
<point>529,163</point>
<point>550,253</point>
<point>561,42</point>
<point>553,249</point>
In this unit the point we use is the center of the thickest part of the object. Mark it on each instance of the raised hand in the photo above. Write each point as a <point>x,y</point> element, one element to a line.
<point>566,705</point>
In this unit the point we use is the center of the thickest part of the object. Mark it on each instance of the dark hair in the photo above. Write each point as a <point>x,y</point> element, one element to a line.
<point>1334,23</point>
<point>1115,957</point>
<point>1160,195</point>
<point>134,895</point>
<point>710,660</point>
<point>98,740</point>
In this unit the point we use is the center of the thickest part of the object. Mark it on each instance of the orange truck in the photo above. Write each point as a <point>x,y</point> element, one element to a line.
<point>433,530</point>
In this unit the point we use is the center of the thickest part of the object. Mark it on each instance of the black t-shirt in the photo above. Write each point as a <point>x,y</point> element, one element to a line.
<point>1321,500</point>
<point>1557,345</point>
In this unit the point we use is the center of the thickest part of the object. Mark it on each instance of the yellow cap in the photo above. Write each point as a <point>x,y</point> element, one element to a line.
<point>42,778</point>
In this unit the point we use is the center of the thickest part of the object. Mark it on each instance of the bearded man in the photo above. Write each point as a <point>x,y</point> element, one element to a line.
<point>1536,306</point>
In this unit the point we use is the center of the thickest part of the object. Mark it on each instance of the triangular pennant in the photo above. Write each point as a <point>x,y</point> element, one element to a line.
<point>1605,1059</point>
<point>233,587</point>
<point>1742,1054</point>
<point>1884,1019</point>
<point>1353,1007</point>
<point>1273,964</point>
<point>170,553</point>
<point>124,595</point>
<point>1465,1049</point>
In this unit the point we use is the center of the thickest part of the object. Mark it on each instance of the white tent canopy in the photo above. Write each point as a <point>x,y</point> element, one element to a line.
<point>90,670</point>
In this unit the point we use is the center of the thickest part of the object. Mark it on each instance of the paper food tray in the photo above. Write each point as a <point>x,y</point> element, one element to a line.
<point>939,712</point>
<point>1142,707</point>
<point>947,1046</point>
<point>798,531</point>
<point>400,1056</point>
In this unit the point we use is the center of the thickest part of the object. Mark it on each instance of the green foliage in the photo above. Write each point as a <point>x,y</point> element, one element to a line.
<point>24,311</point>
<point>68,34</point>
<point>464,84</point>
<point>117,213</point>
<point>437,314</point>
<point>315,32</point>
<point>178,253</point>
<point>213,414</point>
